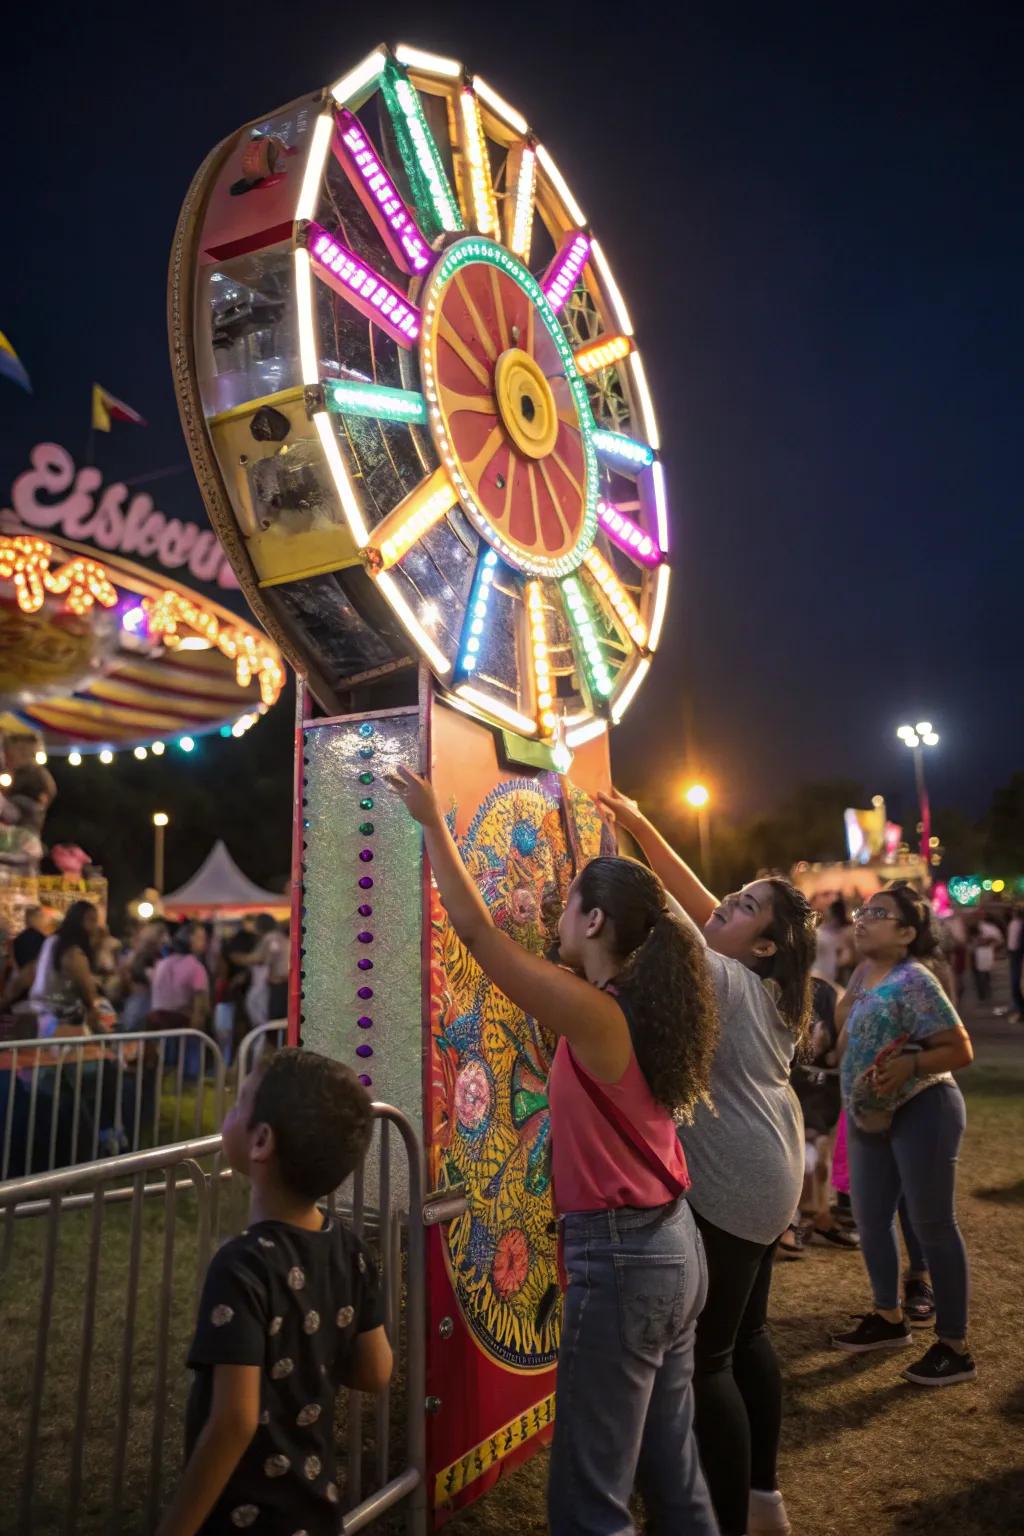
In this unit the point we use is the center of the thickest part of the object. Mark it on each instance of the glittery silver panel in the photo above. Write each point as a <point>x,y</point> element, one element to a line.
<point>336,936</point>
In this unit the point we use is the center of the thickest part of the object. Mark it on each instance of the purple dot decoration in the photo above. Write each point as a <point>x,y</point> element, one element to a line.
<point>364,1021</point>
<point>366,854</point>
<point>365,993</point>
<point>365,965</point>
<point>366,937</point>
<point>365,910</point>
<point>366,1079</point>
<point>366,883</point>
<point>364,1050</point>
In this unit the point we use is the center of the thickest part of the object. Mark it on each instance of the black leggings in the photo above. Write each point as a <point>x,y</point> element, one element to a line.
<point>737,1383</point>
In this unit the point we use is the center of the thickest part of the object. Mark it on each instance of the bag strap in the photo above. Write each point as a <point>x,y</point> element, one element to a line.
<point>627,1130</point>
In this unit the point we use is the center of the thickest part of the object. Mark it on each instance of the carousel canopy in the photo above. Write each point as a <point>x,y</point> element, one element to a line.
<point>219,889</point>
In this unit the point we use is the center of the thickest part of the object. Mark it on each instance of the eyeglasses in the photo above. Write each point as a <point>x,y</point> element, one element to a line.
<point>876,915</point>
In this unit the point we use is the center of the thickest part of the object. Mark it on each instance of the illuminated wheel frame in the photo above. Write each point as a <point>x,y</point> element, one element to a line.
<point>519,387</point>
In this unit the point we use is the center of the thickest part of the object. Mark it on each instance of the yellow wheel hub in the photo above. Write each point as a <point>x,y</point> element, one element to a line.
<point>526,404</point>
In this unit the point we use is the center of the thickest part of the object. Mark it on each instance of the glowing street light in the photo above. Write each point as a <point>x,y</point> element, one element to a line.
<point>698,798</point>
<point>917,737</point>
<point>160,823</point>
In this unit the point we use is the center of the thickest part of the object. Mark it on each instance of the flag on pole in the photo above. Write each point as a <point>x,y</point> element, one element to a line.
<point>11,366</point>
<point>105,409</point>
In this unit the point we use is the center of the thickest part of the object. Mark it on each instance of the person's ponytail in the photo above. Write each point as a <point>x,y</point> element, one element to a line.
<point>668,986</point>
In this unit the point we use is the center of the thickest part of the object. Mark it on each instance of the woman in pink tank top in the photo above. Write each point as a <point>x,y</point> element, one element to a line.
<point>632,1005</point>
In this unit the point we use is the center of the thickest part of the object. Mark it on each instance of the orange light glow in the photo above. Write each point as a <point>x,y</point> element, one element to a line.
<point>81,582</point>
<point>603,352</point>
<point>253,656</point>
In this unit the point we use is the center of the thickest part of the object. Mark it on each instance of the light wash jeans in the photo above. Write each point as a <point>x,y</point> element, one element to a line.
<point>637,1282</point>
<point>916,1156</point>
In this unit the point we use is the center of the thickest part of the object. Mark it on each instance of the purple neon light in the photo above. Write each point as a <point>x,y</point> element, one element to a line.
<point>561,277</point>
<point>396,224</point>
<point>639,545</point>
<point>370,293</point>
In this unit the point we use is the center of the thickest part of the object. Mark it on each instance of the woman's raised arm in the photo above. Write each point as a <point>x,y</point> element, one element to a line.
<point>677,877</point>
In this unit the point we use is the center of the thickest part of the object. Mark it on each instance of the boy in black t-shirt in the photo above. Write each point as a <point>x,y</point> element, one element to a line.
<point>291,1310</point>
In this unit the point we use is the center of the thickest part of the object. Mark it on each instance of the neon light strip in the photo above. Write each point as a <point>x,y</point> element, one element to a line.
<point>385,583</point>
<point>563,274</point>
<point>660,504</point>
<point>581,621</point>
<point>429,63</point>
<point>476,612</point>
<point>647,418</point>
<point>415,514</point>
<point>615,592</point>
<point>305,208</point>
<point>432,194</point>
<point>616,448</point>
<point>561,186</point>
<point>342,484</point>
<point>485,206</point>
<point>585,733</point>
<point>619,310</point>
<point>350,398</point>
<point>380,196</point>
<point>492,706</point>
<point>521,231</point>
<point>500,107</point>
<point>365,289</point>
<point>546,718</point>
<point>602,353</point>
<point>660,604</point>
<point>626,535</point>
<point>309,352</point>
<point>629,693</point>
<point>355,83</point>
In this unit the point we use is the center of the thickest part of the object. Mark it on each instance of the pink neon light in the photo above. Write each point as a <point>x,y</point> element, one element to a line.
<point>561,277</point>
<point>631,539</point>
<point>370,293</point>
<point>381,196</point>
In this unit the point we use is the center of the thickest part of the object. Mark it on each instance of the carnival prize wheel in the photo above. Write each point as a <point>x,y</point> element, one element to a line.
<point>417,405</point>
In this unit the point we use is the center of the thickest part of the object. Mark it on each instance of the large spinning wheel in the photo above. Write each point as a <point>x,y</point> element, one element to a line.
<point>430,425</point>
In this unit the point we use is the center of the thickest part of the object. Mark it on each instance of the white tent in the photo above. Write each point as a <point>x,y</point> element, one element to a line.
<point>219,889</point>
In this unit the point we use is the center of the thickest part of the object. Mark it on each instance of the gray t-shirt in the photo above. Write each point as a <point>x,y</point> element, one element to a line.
<point>746,1160</point>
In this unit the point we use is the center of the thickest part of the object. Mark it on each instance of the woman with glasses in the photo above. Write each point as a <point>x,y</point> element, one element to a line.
<point>902,1040</point>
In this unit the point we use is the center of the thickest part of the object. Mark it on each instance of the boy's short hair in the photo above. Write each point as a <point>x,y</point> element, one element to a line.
<point>320,1115</point>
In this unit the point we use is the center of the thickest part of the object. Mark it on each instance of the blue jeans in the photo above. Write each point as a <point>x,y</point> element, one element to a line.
<point>637,1282</point>
<point>918,1156</point>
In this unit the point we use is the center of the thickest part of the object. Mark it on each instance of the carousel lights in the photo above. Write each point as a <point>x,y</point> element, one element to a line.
<point>253,656</point>
<point>547,719</point>
<point>611,287</point>
<point>106,756</point>
<point>365,289</point>
<point>602,353</point>
<point>81,582</point>
<point>494,706</point>
<point>75,759</point>
<point>411,519</point>
<point>363,75</point>
<point>186,743</point>
<point>134,620</point>
<point>561,186</point>
<point>350,398</point>
<point>42,758</point>
<point>617,595</point>
<point>158,749</point>
<point>141,754</point>
<point>631,689</point>
<point>581,618</point>
<point>484,203</point>
<point>6,780</point>
<point>476,612</point>
<point>626,535</point>
<point>520,233</point>
<point>660,603</point>
<point>563,274</point>
<point>420,155</point>
<point>616,448</point>
<point>397,226</point>
<point>500,107</point>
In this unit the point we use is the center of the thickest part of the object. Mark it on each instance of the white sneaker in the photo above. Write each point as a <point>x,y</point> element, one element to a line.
<point>766,1514</point>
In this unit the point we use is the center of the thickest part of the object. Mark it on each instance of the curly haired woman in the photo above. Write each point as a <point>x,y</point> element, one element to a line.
<point>633,1009</point>
<point>746,1157</point>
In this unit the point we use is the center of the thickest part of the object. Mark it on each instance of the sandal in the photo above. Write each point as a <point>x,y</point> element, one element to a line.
<point>918,1301</point>
<point>794,1248</point>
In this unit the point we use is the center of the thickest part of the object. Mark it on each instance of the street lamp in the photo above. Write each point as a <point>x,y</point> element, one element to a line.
<point>160,822</point>
<point>698,798</point>
<point>917,737</point>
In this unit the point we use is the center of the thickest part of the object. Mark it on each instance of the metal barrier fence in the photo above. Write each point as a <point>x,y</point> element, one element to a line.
<point>90,1409</point>
<point>67,1100</point>
<point>252,1046</point>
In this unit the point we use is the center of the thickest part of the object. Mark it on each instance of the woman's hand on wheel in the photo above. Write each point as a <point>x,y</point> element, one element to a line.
<point>418,795</point>
<point>619,809</point>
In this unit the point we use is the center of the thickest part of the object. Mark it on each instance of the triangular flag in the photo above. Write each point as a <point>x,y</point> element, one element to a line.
<point>11,366</point>
<point>105,409</point>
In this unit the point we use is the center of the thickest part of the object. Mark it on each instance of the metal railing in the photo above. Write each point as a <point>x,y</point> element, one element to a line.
<point>67,1100</point>
<point>252,1046</point>
<point>90,1410</point>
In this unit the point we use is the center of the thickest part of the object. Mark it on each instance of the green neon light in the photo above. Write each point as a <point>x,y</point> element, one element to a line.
<point>436,207</point>
<point>350,398</point>
<point>581,621</point>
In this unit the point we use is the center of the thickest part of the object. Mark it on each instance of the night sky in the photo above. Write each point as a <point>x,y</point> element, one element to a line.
<point>815,214</point>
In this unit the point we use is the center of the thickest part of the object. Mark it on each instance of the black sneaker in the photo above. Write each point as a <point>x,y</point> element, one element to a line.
<point>942,1366</point>
<point>873,1332</point>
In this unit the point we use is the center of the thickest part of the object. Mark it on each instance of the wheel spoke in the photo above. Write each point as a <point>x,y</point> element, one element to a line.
<point>363,288</point>
<point>486,339</point>
<point>519,206</point>
<point>625,534</point>
<point>447,332</point>
<point>586,644</point>
<point>414,516</point>
<point>563,274</point>
<point>617,597</point>
<point>602,353</point>
<point>435,203</point>
<point>379,195</point>
<point>477,167</point>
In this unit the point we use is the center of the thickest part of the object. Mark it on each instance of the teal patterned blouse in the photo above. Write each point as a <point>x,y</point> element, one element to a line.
<point>908,1002</point>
